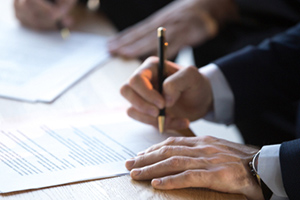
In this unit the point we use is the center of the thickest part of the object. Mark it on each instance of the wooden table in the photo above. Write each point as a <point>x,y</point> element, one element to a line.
<point>88,95</point>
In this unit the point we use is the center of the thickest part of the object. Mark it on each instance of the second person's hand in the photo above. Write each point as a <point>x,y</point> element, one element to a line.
<point>187,95</point>
<point>43,14</point>
<point>188,23</point>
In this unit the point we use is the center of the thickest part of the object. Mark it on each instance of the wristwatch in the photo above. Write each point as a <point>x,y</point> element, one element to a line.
<point>253,167</point>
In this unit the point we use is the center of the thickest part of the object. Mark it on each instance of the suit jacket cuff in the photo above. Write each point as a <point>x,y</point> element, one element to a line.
<point>222,95</point>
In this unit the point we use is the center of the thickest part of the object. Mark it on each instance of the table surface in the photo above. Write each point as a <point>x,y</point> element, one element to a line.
<point>95,91</point>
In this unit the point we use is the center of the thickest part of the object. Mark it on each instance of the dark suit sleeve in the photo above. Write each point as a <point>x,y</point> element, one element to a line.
<point>290,168</point>
<point>273,11</point>
<point>124,13</point>
<point>268,76</point>
<point>264,77</point>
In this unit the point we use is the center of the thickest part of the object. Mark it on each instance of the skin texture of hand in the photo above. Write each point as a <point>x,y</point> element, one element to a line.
<point>187,95</point>
<point>204,162</point>
<point>188,23</point>
<point>43,14</point>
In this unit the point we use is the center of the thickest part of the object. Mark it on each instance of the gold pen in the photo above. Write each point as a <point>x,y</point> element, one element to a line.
<point>161,54</point>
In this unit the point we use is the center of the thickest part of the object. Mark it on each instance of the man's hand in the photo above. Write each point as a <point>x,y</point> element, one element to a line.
<point>188,23</point>
<point>187,95</point>
<point>43,14</point>
<point>205,162</point>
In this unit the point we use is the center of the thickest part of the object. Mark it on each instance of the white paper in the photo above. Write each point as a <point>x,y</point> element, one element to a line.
<point>39,66</point>
<point>54,154</point>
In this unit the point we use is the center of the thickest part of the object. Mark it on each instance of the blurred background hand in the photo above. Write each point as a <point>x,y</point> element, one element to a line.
<point>188,23</point>
<point>44,14</point>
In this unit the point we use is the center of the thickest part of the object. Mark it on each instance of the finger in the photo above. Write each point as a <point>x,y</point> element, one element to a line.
<point>43,10</point>
<point>145,46</point>
<point>144,81</point>
<point>162,154</point>
<point>139,103</point>
<point>35,13</point>
<point>147,119</point>
<point>142,85</point>
<point>177,84</point>
<point>64,7</point>
<point>173,165</point>
<point>176,141</point>
<point>227,179</point>
<point>189,178</point>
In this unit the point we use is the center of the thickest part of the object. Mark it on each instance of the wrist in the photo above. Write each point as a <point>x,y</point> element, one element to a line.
<point>253,164</point>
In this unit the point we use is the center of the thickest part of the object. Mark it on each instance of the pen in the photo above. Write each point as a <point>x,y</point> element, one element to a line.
<point>64,32</point>
<point>161,64</point>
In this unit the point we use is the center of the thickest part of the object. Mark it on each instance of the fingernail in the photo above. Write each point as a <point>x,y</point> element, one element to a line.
<point>129,163</point>
<point>156,182</point>
<point>141,153</point>
<point>136,172</point>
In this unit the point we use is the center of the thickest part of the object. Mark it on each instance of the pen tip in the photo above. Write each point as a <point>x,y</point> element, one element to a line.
<point>161,123</point>
<point>65,33</point>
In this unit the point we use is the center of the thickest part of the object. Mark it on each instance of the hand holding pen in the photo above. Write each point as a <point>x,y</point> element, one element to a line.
<point>159,86</point>
<point>44,14</point>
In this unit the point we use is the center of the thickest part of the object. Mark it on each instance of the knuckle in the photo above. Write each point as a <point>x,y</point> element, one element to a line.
<point>139,159</point>
<point>171,140</point>
<point>209,149</point>
<point>213,160</point>
<point>166,151</point>
<point>175,140</point>
<point>189,175</point>
<point>169,85</point>
<point>175,162</point>
<point>208,139</point>
<point>193,73</point>
<point>191,69</point>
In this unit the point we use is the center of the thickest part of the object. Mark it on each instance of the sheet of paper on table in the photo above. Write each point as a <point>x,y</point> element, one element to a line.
<point>40,66</point>
<point>63,152</point>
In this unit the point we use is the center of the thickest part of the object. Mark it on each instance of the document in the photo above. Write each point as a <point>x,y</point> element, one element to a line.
<point>40,66</point>
<point>54,154</point>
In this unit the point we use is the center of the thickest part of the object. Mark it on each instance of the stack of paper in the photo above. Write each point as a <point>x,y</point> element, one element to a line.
<point>39,66</point>
<point>58,153</point>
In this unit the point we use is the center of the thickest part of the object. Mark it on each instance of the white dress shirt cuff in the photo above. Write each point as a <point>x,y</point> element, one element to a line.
<point>269,169</point>
<point>223,97</point>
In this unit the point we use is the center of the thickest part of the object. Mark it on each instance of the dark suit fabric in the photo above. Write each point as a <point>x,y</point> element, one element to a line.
<point>290,165</point>
<point>124,13</point>
<point>259,20</point>
<point>267,78</point>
